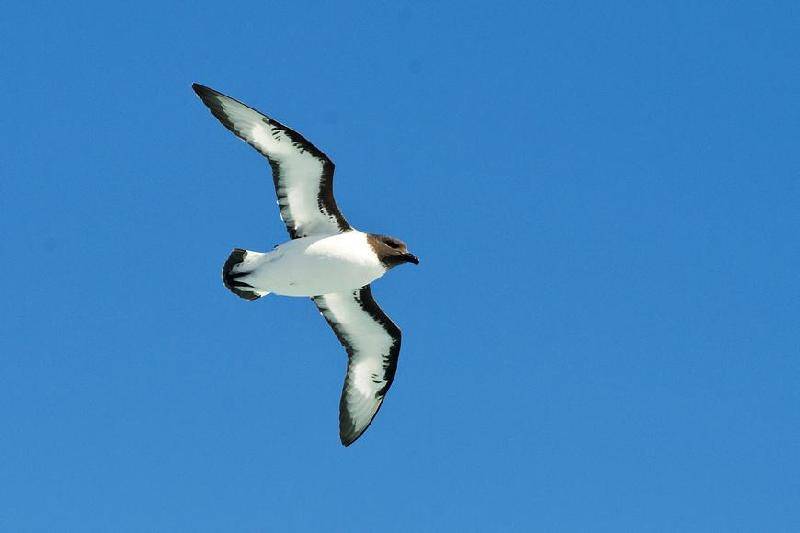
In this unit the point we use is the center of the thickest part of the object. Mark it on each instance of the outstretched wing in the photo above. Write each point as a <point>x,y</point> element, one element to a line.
<point>303,175</point>
<point>372,342</point>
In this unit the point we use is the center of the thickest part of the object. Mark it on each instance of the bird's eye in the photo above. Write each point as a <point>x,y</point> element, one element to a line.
<point>392,244</point>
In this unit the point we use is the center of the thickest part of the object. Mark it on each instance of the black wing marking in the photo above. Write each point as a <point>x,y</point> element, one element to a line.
<point>302,174</point>
<point>372,342</point>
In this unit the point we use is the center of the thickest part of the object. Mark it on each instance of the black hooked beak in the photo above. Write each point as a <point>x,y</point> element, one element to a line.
<point>411,258</point>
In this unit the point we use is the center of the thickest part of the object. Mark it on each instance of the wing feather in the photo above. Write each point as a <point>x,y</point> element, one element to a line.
<point>302,174</point>
<point>372,342</point>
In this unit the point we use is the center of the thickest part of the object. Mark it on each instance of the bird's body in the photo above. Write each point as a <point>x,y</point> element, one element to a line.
<point>326,259</point>
<point>310,266</point>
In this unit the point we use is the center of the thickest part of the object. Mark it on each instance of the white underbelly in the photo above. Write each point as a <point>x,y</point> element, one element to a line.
<point>314,266</point>
<point>312,277</point>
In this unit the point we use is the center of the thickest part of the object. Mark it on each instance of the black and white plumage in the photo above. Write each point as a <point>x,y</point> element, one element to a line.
<point>365,331</point>
<point>326,259</point>
<point>303,175</point>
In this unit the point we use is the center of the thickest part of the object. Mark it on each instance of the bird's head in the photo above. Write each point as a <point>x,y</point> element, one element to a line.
<point>390,251</point>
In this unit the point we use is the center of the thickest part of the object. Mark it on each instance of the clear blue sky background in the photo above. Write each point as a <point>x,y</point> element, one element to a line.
<point>602,334</point>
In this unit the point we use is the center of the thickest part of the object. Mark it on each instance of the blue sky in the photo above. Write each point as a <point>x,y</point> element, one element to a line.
<point>602,334</point>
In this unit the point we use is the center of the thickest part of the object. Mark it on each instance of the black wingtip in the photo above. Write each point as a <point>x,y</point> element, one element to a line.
<point>347,440</point>
<point>348,433</point>
<point>202,91</point>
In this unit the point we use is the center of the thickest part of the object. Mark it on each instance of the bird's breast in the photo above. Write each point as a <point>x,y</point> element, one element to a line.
<point>320,265</point>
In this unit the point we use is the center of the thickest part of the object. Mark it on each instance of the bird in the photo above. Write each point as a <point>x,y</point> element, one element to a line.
<point>325,259</point>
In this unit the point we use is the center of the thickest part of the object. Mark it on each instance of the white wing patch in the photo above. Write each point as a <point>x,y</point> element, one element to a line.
<point>303,175</point>
<point>372,342</point>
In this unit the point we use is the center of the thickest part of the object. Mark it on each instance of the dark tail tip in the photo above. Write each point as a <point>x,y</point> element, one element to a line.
<point>231,278</point>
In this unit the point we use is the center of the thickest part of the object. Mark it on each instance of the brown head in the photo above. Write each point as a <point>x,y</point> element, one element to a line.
<point>390,251</point>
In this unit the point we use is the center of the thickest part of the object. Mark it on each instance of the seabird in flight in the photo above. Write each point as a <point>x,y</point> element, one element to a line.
<point>326,259</point>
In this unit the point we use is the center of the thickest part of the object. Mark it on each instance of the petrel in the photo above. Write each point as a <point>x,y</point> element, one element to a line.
<point>326,259</point>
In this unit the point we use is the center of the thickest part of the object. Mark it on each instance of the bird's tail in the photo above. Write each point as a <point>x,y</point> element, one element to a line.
<point>235,271</point>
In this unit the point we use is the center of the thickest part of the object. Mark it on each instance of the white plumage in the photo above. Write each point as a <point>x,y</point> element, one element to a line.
<point>310,266</point>
<point>326,259</point>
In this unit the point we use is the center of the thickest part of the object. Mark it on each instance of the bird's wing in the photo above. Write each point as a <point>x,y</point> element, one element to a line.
<point>303,175</point>
<point>372,342</point>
